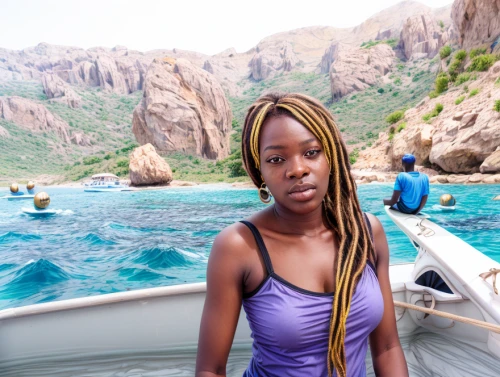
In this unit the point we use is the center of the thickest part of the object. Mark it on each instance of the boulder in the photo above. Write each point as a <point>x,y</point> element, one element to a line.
<point>492,179</point>
<point>438,179</point>
<point>79,138</point>
<point>55,87</point>
<point>454,178</point>
<point>416,140</point>
<point>183,109</point>
<point>148,168</point>
<point>271,60</point>
<point>357,69</point>
<point>492,163</point>
<point>476,21</point>
<point>421,37</point>
<point>476,178</point>
<point>33,116</point>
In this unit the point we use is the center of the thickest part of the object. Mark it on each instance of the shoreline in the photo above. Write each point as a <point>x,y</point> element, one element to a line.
<point>361,177</point>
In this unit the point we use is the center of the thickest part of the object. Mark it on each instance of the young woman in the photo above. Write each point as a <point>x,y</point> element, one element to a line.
<point>311,270</point>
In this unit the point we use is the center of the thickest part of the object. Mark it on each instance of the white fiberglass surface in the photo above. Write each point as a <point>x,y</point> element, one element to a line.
<point>427,354</point>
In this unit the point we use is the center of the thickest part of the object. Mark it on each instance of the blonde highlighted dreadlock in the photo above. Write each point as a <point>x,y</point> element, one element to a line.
<point>341,206</point>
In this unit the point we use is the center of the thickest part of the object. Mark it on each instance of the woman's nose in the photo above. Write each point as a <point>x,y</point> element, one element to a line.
<point>297,169</point>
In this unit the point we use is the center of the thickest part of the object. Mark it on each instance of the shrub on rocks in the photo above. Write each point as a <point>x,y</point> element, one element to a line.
<point>441,84</point>
<point>444,52</point>
<point>395,117</point>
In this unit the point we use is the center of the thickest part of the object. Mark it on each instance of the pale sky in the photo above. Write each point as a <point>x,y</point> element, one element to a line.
<point>207,26</point>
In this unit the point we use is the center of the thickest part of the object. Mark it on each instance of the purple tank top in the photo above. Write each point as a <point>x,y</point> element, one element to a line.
<point>290,325</point>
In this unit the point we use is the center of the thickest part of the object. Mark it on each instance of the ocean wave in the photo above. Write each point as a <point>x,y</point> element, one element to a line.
<point>7,266</point>
<point>33,277</point>
<point>160,257</point>
<point>129,228</point>
<point>94,240</point>
<point>14,236</point>
<point>478,223</point>
<point>41,271</point>
<point>139,274</point>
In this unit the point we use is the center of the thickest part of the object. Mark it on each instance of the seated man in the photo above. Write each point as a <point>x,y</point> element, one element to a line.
<point>410,189</point>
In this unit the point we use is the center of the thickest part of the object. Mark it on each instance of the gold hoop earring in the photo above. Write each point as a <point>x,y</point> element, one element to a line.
<point>264,193</point>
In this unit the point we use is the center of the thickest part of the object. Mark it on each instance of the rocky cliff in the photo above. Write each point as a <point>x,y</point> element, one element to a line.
<point>55,87</point>
<point>421,36</point>
<point>460,139</point>
<point>183,109</point>
<point>271,60</point>
<point>476,21</point>
<point>33,117</point>
<point>355,69</point>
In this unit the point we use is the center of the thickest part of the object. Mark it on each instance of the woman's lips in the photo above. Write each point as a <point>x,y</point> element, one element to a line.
<point>303,196</point>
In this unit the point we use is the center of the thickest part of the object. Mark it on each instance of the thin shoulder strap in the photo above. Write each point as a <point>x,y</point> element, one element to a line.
<point>369,226</point>
<point>262,247</point>
<point>369,262</point>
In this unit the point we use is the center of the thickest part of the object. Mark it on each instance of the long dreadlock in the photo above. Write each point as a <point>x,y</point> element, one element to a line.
<point>342,210</point>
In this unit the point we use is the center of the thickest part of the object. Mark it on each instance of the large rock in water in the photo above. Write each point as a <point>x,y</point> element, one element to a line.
<point>270,60</point>
<point>33,116</point>
<point>492,163</point>
<point>477,21</point>
<point>148,168</point>
<point>183,109</point>
<point>358,69</point>
<point>422,37</point>
<point>55,87</point>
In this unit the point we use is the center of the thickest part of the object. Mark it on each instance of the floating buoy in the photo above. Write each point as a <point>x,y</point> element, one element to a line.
<point>30,185</point>
<point>14,188</point>
<point>42,200</point>
<point>447,200</point>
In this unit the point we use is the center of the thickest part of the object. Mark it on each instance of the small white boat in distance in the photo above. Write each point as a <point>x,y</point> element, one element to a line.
<point>21,196</point>
<point>106,182</point>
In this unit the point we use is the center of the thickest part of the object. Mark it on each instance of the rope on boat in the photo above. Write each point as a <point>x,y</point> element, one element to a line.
<point>475,322</point>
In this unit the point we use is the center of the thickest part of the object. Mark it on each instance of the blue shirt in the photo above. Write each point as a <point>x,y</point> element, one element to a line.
<point>413,186</point>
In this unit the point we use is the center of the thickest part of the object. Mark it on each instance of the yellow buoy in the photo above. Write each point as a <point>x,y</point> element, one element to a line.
<point>42,200</point>
<point>447,200</point>
<point>30,185</point>
<point>14,188</point>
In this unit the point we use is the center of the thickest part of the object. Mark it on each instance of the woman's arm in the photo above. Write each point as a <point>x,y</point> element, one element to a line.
<point>225,274</point>
<point>387,354</point>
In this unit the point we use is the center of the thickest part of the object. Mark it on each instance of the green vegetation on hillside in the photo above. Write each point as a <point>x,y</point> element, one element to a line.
<point>434,113</point>
<point>393,42</point>
<point>104,117</point>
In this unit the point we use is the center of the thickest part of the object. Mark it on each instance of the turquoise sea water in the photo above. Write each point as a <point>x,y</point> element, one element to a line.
<point>110,242</point>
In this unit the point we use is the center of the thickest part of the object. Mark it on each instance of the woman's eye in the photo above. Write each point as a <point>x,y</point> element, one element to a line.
<point>275,160</point>
<point>312,152</point>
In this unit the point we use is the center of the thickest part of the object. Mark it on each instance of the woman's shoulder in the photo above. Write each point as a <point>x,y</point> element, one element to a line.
<point>235,241</point>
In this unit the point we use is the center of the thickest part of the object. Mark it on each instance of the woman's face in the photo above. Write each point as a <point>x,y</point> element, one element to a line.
<point>293,164</point>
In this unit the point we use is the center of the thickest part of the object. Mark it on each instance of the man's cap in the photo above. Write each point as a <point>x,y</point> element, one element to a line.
<point>408,158</point>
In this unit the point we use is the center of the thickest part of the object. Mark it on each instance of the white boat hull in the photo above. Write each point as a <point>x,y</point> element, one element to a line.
<point>88,189</point>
